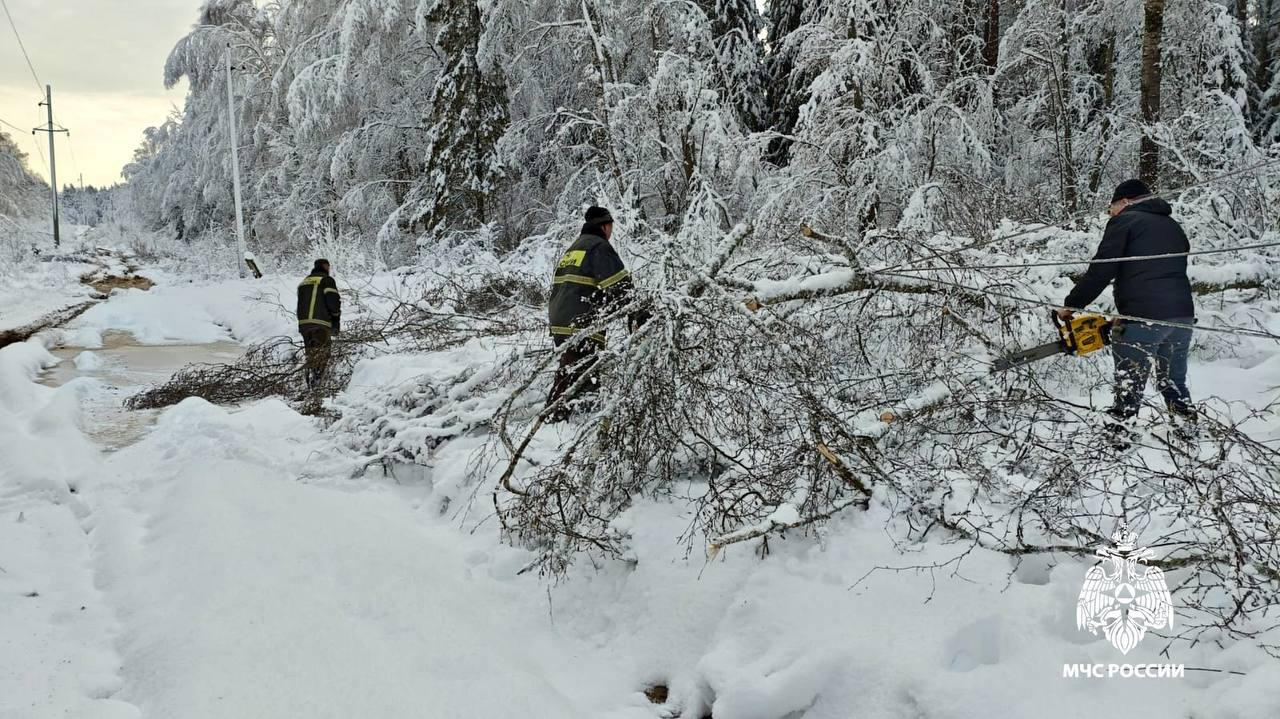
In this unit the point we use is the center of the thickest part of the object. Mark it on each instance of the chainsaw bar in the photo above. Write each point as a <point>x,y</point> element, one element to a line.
<point>1027,356</point>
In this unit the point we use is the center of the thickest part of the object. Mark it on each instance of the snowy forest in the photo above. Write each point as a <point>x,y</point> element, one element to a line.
<point>838,216</point>
<point>398,128</point>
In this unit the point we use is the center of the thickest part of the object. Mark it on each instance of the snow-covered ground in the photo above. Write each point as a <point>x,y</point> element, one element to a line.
<point>32,290</point>
<point>228,565</point>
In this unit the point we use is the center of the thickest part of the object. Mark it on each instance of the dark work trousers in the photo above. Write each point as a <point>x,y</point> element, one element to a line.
<point>317,341</point>
<point>1138,349</point>
<point>578,360</point>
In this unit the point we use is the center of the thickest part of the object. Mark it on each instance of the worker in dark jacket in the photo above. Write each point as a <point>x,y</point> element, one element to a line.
<point>590,281</point>
<point>319,319</point>
<point>1142,224</point>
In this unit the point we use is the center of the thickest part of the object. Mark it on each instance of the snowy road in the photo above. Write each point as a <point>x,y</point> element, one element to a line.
<point>213,570</point>
<point>228,588</point>
<point>251,593</point>
<point>227,565</point>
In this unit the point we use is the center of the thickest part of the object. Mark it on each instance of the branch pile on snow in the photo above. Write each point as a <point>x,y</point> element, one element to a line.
<point>775,421</point>
<point>271,368</point>
<point>407,421</point>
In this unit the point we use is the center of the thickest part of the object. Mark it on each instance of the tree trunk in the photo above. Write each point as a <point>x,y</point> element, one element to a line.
<point>1057,66</point>
<point>1105,65</point>
<point>991,37</point>
<point>1152,45</point>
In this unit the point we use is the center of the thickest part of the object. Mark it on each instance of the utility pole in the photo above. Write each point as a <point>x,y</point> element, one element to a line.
<point>53,164</point>
<point>235,165</point>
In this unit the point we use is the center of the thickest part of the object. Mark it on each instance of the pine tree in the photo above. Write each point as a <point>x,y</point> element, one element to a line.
<point>388,118</point>
<point>735,35</point>
<point>1267,47</point>
<point>468,116</point>
<point>787,90</point>
<point>1243,11</point>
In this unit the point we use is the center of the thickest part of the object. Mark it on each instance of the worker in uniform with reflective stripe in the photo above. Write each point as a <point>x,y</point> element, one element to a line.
<point>590,281</point>
<point>319,318</point>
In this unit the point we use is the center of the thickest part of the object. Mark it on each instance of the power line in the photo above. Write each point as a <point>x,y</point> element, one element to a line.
<point>1108,260</point>
<point>1228,329</point>
<point>72,148</point>
<point>39,150</point>
<point>39,85</point>
<point>10,124</point>
<point>32,135</point>
<point>1078,215</point>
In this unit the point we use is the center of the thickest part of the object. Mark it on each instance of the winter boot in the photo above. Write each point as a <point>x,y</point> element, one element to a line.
<point>1185,421</point>
<point>1118,428</point>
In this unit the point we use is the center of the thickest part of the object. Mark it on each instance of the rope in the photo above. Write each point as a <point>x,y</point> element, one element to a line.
<point>39,85</point>
<point>1230,330</point>
<point>1077,215</point>
<point>1095,261</point>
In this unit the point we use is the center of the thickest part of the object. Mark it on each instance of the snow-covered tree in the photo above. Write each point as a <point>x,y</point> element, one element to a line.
<point>735,29</point>
<point>786,89</point>
<point>467,118</point>
<point>1267,48</point>
<point>20,189</point>
<point>378,124</point>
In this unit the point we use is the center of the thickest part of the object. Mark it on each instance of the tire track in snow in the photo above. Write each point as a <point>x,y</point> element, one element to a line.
<point>56,626</point>
<point>250,593</point>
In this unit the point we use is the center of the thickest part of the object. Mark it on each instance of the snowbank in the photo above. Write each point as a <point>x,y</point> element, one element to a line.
<point>175,312</point>
<point>56,631</point>
<point>30,290</point>
<point>856,626</point>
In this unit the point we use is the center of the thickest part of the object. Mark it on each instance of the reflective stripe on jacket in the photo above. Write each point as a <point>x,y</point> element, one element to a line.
<point>589,282</point>
<point>319,302</point>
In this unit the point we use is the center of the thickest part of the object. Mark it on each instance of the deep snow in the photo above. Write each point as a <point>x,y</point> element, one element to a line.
<point>228,565</point>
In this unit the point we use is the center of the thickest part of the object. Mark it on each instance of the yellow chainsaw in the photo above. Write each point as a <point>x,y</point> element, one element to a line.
<point>1080,335</point>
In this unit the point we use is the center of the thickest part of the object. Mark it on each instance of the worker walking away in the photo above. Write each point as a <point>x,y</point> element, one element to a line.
<point>319,318</point>
<point>590,282</point>
<point>1142,224</point>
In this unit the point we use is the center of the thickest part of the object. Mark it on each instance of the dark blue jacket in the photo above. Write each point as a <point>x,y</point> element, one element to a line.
<point>1154,289</point>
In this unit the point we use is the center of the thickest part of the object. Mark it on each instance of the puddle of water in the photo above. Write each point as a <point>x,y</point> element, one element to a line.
<point>126,368</point>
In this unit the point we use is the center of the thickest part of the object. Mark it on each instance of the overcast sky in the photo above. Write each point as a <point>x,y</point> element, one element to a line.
<point>105,61</point>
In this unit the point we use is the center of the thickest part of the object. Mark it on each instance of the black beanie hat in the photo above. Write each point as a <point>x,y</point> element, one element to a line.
<point>598,216</point>
<point>1130,189</point>
<point>321,265</point>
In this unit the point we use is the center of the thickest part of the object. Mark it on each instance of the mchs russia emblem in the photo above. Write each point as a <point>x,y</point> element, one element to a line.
<point>1123,595</point>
